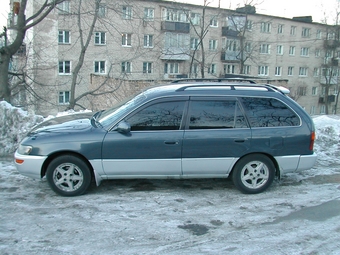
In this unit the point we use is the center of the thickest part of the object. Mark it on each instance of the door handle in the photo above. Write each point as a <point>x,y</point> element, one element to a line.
<point>239,140</point>
<point>171,142</point>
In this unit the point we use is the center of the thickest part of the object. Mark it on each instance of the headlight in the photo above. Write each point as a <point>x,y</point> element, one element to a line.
<point>24,149</point>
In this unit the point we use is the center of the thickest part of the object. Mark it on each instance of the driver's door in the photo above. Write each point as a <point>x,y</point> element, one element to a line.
<point>152,148</point>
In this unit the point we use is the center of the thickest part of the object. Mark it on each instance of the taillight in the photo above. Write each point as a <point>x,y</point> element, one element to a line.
<point>312,139</point>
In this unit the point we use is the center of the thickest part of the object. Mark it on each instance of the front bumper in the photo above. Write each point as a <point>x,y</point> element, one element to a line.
<point>29,165</point>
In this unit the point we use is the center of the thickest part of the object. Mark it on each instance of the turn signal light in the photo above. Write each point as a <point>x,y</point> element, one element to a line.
<point>19,161</point>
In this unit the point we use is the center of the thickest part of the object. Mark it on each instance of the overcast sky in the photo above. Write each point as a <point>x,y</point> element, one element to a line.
<point>287,8</point>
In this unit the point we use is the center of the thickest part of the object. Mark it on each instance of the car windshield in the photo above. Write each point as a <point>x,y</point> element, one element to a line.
<point>107,117</point>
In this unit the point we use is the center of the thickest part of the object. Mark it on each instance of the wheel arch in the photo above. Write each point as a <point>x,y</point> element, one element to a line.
<point>271,157</point>
<point>61,153</point>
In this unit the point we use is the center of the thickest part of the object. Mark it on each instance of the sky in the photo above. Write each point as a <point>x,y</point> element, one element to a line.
<point>318,9</point>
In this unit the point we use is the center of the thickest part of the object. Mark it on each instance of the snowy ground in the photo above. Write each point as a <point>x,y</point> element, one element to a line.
<point>298,215</point>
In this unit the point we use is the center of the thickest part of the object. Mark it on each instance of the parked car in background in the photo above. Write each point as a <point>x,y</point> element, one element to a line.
<point>187,129</point>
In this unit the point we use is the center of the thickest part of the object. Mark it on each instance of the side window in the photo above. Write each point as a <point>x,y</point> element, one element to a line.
<point>159,116</point>
<point>269,112</point>
<point>213,114</point>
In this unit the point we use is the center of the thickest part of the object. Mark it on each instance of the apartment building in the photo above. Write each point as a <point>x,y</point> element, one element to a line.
<point>138,43</point>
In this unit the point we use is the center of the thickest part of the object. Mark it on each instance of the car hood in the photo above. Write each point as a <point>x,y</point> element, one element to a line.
<point>68,123</point>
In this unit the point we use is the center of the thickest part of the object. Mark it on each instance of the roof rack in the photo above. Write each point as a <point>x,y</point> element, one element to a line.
<point>214,80</point>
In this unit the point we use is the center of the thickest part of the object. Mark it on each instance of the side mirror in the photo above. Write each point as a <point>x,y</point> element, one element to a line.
<point>123,127</point>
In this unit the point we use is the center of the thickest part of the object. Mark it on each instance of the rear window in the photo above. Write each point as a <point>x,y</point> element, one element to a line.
<point>269,112</point>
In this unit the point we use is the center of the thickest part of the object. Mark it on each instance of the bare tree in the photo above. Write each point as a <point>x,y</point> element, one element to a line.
<point>9,49</point>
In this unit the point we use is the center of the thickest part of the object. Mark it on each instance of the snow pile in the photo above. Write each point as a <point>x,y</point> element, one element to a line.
<point>14,124</point>
<point>327,144</point>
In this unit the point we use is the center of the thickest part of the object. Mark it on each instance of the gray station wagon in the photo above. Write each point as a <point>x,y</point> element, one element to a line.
<point>187,129</point>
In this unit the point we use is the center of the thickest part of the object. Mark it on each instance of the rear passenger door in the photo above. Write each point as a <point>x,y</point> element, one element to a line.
<point>216,135</point>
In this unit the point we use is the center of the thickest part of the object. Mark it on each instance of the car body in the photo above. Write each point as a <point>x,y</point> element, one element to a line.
<point>188,129</point>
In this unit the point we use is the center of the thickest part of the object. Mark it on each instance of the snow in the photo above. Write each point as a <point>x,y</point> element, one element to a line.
<point>299,214</point>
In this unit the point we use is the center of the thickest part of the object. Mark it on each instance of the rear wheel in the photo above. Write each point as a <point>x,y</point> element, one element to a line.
<point>253,173</point>
<point>68,175</point>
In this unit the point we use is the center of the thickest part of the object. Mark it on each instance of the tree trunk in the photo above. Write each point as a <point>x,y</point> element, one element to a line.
<point>5,92</point>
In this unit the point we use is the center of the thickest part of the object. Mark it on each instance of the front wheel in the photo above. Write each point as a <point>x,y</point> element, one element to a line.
<point>253,173</point>
<point>68,175</point>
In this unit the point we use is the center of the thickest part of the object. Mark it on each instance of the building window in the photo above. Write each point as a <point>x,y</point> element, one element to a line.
<point>302,91</point>
<point>279,49</point>
<point>290,70</point>
<point>212,69</point>
<point>278,71</point>
<point>312,110</point>
<point>99,67</point>
<point>149,14</point>
<point>64,67</point>
<point>304,52</point>
<point>317,53</point>
<point>316,72</point>
<point>266,27</point>
<point>303,71</point>
<point>64,7</point>
<point>249,25</point>
<point>64,37</point>
<point>64,97</point>
<point>246,69</point>
<point>126,67</point>
<point>195,19</point>
<point>292,50</point>
<point>175,15</point>
<point>171,68</point>
<point>322,109</point>
<point>229,69</point>
<point>318,34</point>
<point>265,49</point>
<point>314,91</point>
<point>263,70</point>
<point>247,47</point>
<point>148,41</point>
<point>330,36</point>
<point>231,45</point>
<point>147,67</point>
<point>127,12</point>
<point>305,32</point>
<point>126,39</point>
<point>194,43</point>
<point>214,22</point>
<point>293,30</point>
<point>102,11</point>
<point>212,44</point>
<point>194,69</point>
<point>99,38</point>
<point>280,29</point>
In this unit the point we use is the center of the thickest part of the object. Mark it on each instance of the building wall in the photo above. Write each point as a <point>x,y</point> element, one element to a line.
<point>46,52</point>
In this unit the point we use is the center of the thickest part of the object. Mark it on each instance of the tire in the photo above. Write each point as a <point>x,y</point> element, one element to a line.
<point>68,175</point>
<point>253,174</point>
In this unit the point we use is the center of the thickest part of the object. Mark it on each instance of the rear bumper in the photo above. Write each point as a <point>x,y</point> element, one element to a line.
<point>29,165</point>
<point>295,163</point>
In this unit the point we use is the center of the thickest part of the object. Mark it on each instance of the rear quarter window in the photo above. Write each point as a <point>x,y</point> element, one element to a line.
<point>269,112</point>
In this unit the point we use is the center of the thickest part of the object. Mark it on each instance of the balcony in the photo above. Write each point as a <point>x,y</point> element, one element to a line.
<point>331,44</point>
<point>227,32</point>
<point>179,27</point>
<point>331,99</point>
<point>173,53</point>
<point>230,56</point>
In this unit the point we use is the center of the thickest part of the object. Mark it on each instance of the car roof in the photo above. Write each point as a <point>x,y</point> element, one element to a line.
<point>208,86</point>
